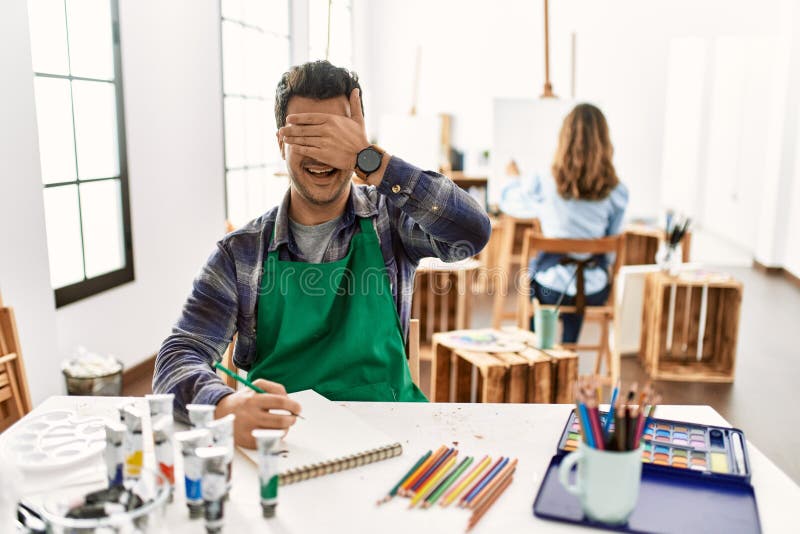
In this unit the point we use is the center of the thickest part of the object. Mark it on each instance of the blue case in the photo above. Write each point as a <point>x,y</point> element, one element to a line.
<point>670,499</point>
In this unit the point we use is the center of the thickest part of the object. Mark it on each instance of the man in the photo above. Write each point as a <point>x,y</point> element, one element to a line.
<point>319,288</point>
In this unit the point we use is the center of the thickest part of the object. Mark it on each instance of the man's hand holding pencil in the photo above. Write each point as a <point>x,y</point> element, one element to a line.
<point>258,406</point>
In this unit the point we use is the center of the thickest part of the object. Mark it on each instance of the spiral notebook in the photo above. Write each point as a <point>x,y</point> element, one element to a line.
<point>330,439</point>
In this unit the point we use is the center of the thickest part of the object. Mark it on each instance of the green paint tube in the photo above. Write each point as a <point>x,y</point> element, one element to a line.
<point>268,478</point>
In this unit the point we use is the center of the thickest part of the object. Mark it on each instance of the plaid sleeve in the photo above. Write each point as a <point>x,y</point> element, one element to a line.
<point>435,217</point>
<point>200,337</point>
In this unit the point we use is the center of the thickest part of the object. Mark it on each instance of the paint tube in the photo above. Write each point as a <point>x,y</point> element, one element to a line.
<point>215,460</point>
<point>165,453</point>
<point>222,432</point>
<point>266,441</point>
<point>163,424</point>
<point>160,404</point>
<point>134,445</point>
<point>115,453</point>
<point>200,414</point>
<point>190,441</point>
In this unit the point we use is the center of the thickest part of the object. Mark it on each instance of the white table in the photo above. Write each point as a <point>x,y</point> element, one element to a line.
<point>345,502</point>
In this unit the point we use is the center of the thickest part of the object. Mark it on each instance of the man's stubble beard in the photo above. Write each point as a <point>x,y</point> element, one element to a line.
<point>309,197</point>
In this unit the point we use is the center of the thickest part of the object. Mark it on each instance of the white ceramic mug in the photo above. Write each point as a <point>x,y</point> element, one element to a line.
<point>606,482</point>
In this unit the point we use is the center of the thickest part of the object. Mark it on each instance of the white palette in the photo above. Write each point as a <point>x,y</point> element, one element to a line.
<point>54,439</point>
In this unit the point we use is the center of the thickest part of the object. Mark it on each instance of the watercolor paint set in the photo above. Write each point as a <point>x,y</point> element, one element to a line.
<point>680,445</point>
<point>683,464</point>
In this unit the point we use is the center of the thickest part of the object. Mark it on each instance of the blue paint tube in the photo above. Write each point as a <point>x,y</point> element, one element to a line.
<point>190,441</point>
<point>115,453</point>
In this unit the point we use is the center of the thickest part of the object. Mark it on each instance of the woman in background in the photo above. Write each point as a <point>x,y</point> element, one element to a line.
<point>582,199</point>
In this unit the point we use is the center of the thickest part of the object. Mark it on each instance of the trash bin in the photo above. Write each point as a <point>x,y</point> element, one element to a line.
<point>87,373</point>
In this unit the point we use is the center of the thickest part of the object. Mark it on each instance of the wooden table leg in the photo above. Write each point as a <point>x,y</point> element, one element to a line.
<point>440,372</point>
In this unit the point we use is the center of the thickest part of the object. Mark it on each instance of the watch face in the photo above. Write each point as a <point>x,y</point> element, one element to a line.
<point>369,160</point>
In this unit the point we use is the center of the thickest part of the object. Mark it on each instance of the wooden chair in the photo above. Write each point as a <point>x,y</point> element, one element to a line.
<point>15,398</point>
<point>227,361</point>
<point>412,351</point>
<point>511,262</point>
<point>533,245</point>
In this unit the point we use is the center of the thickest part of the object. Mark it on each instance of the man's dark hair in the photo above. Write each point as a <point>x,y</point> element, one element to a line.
<point>315,79</point>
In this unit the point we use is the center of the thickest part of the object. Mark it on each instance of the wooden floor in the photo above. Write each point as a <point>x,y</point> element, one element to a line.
<point>762,400</point>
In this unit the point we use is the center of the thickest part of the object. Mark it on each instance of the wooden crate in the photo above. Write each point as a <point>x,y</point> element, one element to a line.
<point>529,375</point>
<point>672,345</point>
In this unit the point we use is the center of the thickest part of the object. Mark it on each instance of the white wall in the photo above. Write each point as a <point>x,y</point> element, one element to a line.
<point>24,270</point>
<point>475,51</point>
<point>779,226</point>
<point>173,113</point>
<point>791,258</point>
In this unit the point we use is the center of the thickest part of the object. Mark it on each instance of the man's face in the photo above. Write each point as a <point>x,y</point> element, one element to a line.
<point>316,181</point>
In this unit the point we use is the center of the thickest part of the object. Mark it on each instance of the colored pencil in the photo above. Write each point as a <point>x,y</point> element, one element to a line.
<point>587,424</point>
<point>506,472</point>
<point>594,420</point>
<point>393,491</point>
<point>432,470</point>
<point>484,481</point>
<point>610,414</point>
<point>620,433</point>
<point>462,484</point>
<point>246,382</point>
<point>480,480</point>
<point>404,487</point>
<point>480,512</point>
<point>428,486</point>
<point>447,482</point>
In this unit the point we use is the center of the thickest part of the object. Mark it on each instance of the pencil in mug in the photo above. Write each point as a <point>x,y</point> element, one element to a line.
<point>586,424</point>
<point>481,511</point>
<point>246,382</point>
<point>506,472</point>
<point>610,414</point>
<point>428,486</point>
<point>579,413</point>
<point>405,486</point>
<point>393,491</point>
<point>447,482</point>
<point>462,484</point>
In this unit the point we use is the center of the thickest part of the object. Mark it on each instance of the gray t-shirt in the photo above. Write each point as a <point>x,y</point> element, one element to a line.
<point>313,240</point>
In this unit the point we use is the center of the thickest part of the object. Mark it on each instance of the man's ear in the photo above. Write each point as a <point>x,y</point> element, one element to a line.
<point>280,144</point>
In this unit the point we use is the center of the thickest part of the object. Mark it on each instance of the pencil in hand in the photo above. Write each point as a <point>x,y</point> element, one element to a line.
<point>246,382</point>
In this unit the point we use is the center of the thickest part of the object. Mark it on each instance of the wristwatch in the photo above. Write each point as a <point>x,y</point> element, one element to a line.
<point>369,161</point>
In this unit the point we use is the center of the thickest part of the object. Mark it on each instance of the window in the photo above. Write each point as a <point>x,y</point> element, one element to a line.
<point>78,89</point>
<point>330,31</point>
<point>255,53</point>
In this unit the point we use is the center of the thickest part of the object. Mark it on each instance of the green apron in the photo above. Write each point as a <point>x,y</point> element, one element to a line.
<point>333,327</point>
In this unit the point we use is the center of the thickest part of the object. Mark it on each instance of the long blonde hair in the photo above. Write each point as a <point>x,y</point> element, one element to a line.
<point>582,166</point>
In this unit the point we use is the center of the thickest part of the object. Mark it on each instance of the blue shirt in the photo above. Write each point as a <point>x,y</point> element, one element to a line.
<point>534,196</point>
<point>416,214</point>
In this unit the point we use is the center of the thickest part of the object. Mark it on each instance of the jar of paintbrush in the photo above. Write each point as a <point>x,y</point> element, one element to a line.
<point>608,463</point>
<point>669,253</point>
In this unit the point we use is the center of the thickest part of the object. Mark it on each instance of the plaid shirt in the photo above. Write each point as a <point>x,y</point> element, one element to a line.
<point>416,214</point>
